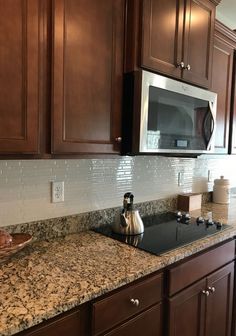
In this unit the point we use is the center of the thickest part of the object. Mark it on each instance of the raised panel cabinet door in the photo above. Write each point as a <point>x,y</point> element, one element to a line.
<point>233,107</point>
<point>198,42</point>
<point>87,75</point>
<point>187,311</point>
<point>221,84</point>
<point>220,301</point>
<point>19,76</point>
<point>162,35</point>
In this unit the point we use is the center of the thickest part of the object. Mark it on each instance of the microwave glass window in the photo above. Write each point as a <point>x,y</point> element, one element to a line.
<point>177,121</point>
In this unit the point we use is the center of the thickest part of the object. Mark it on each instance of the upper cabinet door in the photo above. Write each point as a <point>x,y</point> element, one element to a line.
<point>19,76</point>
<point>177,38</point>
<point>221,84</point>
<point>198,41</point>
<point>162,35</point>
<point>87,75</point>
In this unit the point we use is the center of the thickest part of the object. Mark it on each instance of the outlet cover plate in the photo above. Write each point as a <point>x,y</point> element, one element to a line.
<point>57,192</point>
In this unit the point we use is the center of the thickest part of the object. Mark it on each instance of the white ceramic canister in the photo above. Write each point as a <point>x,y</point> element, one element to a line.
<point>221,191</point>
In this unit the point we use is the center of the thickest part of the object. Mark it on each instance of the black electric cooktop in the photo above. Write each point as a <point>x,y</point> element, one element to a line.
<point>167,231</point>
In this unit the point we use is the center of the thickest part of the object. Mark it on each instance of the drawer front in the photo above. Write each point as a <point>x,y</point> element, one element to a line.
<point>68,325</point>
<point>118,307</point>
<point>188,272</point>
<point>148,323</point>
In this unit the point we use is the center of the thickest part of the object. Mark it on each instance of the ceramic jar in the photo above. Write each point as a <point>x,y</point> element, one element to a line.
<point>221,191</point>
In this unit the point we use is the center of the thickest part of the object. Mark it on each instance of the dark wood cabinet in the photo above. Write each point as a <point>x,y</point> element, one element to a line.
<point>134,310</point>
<point>232,144</point>
<point>202,307</point>
<point>186,311</point>
<point>219,303</point>
<point>19,76</point>
<point>223,55</point>
<point>177,38</point>
<point>87,75</point>
<point>162,36</point>
<point>205,308</point>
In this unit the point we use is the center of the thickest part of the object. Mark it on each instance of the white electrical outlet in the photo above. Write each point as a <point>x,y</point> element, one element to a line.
<point>57,192</point>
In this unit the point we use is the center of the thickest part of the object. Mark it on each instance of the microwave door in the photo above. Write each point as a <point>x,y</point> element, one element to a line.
<point>208,127</point>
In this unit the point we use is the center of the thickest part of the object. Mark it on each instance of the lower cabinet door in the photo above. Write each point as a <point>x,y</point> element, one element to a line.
<point>219,302</point>
<point>187,311</point>
<point>148,323</point>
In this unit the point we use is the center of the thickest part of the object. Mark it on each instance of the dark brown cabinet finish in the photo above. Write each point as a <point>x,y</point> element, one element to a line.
<point>219,302</point>
<point>19,76</point>
<point>162,35</point>
<point>177,38</point>
<point>232,146</point>
<point>223,55</point>
<point>198,41</point>
<point>205,308</point>
<point>69,325</point>
<point>87,75</point>
<point>186,312</point>
<point>128,309</point>
<point>148,323</point>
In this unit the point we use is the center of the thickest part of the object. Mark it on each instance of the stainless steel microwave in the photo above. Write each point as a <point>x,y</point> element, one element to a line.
<point>162,115</point>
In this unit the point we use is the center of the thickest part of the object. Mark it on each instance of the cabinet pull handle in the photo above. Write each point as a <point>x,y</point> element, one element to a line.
<point>188,67</point>
<point>135,302</point>
<point>206,292</point>
<point>211,289</point>
<point>118,139</point>
<point>180,65</point>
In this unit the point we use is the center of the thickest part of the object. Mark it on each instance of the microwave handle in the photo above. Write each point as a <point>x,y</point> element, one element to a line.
<point>208,142</point>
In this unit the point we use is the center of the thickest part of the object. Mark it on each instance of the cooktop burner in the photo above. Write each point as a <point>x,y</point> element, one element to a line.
<point>167,231</point>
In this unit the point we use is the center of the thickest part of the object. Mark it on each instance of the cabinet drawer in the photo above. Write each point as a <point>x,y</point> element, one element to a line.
<point>68,325</point>
<point>188,272</point>
<point>118,307</point>
<point>148,324</point>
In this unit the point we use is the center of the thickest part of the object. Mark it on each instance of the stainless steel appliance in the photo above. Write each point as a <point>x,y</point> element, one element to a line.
<point>162,115</point>
<point>128,222</point>
<point>167,231</point>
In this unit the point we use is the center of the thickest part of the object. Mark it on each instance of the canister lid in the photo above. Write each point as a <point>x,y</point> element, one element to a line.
<point>222,181</point>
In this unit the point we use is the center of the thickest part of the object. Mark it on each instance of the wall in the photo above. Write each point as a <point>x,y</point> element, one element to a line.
<point>94,184</point>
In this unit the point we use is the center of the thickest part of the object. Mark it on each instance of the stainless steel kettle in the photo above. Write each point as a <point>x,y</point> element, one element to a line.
<point>128,222</point>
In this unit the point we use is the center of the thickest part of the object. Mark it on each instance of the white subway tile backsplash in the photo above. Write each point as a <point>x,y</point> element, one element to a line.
<point>93,184</point>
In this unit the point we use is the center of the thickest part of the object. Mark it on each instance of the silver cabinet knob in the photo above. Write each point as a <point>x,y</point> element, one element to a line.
<point>118,139</point>
<point>206,292</point>
<point>211,289</point>
<point>135,302</point>
<point>180,65</point>
<point>188,67</point>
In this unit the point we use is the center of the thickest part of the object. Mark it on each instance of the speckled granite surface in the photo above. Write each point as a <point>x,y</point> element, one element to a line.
<point>50,277</point>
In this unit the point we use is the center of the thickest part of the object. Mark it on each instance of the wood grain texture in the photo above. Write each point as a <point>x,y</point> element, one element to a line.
<point>87,75</point>
<point>19,76</point>
<point>198,41</point>
<point>162,35</point>
<point>117,308</point>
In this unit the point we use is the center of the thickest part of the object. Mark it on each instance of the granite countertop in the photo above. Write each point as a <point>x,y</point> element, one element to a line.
<point>51,277</point>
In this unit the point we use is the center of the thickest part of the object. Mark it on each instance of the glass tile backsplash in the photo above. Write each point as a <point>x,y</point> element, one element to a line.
<point>93,184</point>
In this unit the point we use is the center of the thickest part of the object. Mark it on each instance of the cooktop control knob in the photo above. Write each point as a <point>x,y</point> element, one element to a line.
<point>178,214</point>
<point>200,220</point>
<point>209,222</point>
<point>186,216</point>
<point>219,225</point>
